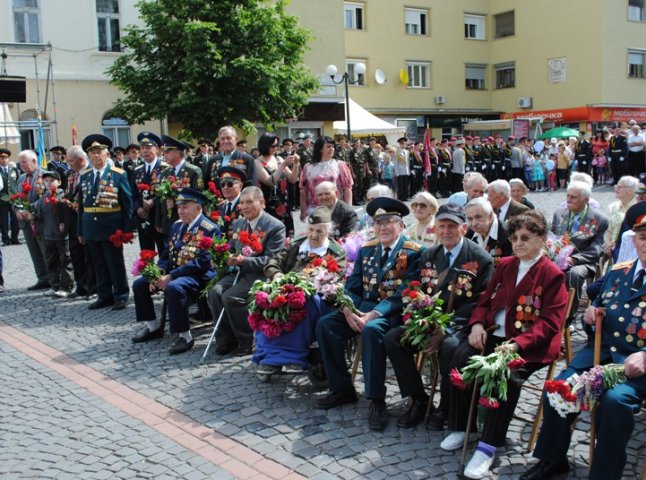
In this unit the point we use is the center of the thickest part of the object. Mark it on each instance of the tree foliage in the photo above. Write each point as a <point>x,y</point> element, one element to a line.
<point>207,63</point>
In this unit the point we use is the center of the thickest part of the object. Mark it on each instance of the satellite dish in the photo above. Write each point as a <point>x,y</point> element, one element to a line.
<point>403,76</point>
<point>380,76</point>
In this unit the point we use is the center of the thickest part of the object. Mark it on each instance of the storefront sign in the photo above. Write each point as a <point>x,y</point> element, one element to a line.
<point>583,114</point>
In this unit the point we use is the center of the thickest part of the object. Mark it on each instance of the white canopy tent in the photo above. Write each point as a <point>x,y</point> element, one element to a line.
<point>363,123</point>
<point>8,131</point>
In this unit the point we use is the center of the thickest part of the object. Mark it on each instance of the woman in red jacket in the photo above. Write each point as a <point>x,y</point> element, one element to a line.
<point>526,299</point>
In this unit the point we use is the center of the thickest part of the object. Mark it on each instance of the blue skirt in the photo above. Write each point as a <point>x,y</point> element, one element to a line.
<point>292,348</point>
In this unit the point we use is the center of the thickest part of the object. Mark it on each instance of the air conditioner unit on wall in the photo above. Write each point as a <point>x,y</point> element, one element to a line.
<point>440,99</point>
<point>525,102</point>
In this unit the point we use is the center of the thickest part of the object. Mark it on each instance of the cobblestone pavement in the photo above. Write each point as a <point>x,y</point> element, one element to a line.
<point>128,412</point>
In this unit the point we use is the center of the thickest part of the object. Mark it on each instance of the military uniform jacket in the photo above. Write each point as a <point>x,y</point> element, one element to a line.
<point>498,248</point>
<point>436,276</point>
<point>375,287</point>
<point>305,155</point>
<point>291,260</point>
<point>70,208</point>
<point>107,209</point>
<point>242,161</point>
<point>9,182</point>
<point>233,216</point>
<point>534,309</point>
<point>588,239</point>
<point>583,153</point>
<point>140,177</point>
<point>270,231</point>
<point>344,219</point>
<point>183,256</point>
<point>188,175</point>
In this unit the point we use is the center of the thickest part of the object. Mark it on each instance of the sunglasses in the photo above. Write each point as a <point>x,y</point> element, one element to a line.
<point>229,184</point>
<point>419,205</point>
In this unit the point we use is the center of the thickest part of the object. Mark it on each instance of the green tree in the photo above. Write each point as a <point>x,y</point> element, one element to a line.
<point>207,63</point>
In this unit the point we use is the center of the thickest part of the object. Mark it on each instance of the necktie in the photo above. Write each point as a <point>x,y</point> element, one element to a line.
<point>97,179</point>
<point>249,229</point>
<point>385,255</point>
<point>227,210</point>
<point>575,224</point>
<point>448,256</point>
<point>148,168</point>
<point>639,280</point>
<point>497,212</point>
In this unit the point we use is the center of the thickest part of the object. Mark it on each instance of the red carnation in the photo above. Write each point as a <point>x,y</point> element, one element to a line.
<point>317,262</point>
<point>212,187</point>
<point>332,266</point>
<point>244,236</point>
<point>227,218</point>
<point>143,187</point>
<point>414,294</point>
<point>26,187</point>
<point>222,248</point>
<point>215,215</point>
<point>414,284</point>
<point>205,243</point>
<point>456,379</point>
<point>147,255</point>
<point>516,363</point>
<point>279,301</point>
<point>296,299</point>
<point>489,402</point>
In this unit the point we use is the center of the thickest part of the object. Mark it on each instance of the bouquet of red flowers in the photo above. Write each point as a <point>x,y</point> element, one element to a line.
<point>214,199</point>
<point>491,372</point>
<point>278,306</point>
<point>145,265</point>
<point>251,243</point>
<point>20,200</point>
<point>55,195</point>
<point>168,187</point>
<point>328,282</point>
<point>118,238</point>
<point>423,316</point>
<point>558,249</point>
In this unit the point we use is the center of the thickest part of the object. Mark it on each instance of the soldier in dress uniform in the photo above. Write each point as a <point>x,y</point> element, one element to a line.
<point>618,153</point>
<point>8,220</point>
<point>583,154</point>
<point>182,174</point>
<point>305,151</point>
<point>58,164</point>
<point>487,154</point>
<point>126,163</point>
<point>623,341</point>
<point>469,154</point>
<point>186,269</point>
<point>144,181</point>
<point>370,165</point>
<point>358,171</point>
<point>231,180</point>
<point>375,287</point>
<point>229,155</point>
<point>201,159</point>
<point>444,168</point>
<point>497,159</point>
<point>477,156</point>
<point>507,154</point>
<point>105,206</point>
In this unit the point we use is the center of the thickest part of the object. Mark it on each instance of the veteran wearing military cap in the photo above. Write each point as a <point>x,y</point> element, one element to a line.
<point>375,287</point>
<point>186,268</point>
<point>58,164</point>
<point>231,181</point>
<point>456,267</point>
<point>202,157</point>
<point>623,341</point>
<point>105,206</point>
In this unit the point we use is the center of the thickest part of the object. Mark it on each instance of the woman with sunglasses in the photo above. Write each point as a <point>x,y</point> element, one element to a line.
<point>424,207</point>
<point>273,174</point>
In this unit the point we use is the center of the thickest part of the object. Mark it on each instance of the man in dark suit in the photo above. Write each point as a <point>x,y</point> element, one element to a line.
<point>585,227</point>
<point>375,287</point>
<point>231,180</point>
<point>583,154</point>
<point>623,340</point>
<point>486,231</point>
<point>186,267</point>
<point>201,159</point>
<point>230,295</point>
<point>344,218</point>
<point>499,196</point>
<point>105,206</point>
<point>8,220</point>
<point>230,156</point>
<point>456,260</point>
<point>618,153</point>
<point>58,164</point>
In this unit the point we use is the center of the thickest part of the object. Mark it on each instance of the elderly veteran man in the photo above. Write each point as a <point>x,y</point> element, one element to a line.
<point>186,269</point>
<point>486,231</point>
<point>344,218</point>
<point>375,287</point>
<point>230,156</point>
<point>505,207</point>
<point>456,264</point>
<point>474,185</point>
<point>623,341</point>
<point>105,206</point>
<point>8,221</point>
<point>585,228</point>
<point>231,180</point>
<point>234,335</point>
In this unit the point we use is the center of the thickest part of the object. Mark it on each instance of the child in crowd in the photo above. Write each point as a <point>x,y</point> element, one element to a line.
<point>550,169</point>
<point>600,165</point>
<point>388,172</point>
<point>57,251</point>
<point>538,175</point>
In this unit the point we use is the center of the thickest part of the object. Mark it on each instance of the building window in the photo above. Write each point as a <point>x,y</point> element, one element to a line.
<point>107,16</point>
<point>474,26</point>
<point>504,24</point>
<point>116,129</point>
<point>416,21</point>
<point>474,76</point>
<point>636,10</point>
<point>418,74</point>
<point>355,78</point>
<point>353,14</point>
<point>636,64</point>
<point>505,75</point>
<point>26,20</point>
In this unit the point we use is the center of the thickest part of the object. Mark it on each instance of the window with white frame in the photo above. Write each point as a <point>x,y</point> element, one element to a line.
<point>26,21</point>
<point>474,26</point>
<point>636,10</point>
<point>505,75</point>
<point>416,21</point>
<point>116,129</point>
<point>353,16</point>
<point>636,63</point>
<point>504,24</point>
<point>355,78</point>
<point>107,16</point>
<point>418,74</point>
<point>474,76</point>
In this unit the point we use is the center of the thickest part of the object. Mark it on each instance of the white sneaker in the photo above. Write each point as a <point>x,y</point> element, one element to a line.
<point>479,465</point>
<point>454,441</point>
<point>49,292</point>
<point>62,294</point>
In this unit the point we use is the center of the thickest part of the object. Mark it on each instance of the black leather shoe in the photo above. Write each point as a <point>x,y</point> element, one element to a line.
<point>180,346</point>
<point>437,420</point>
<point>100,304</point>
<point>242,350</point>
<point>39,286</point>
<point>120,305</point>
<point>414,415</point>
<point>225,348</point>
<point>546,469</point>
<point>378,418</point>
<point>336,399</point>
<point>147,335</point>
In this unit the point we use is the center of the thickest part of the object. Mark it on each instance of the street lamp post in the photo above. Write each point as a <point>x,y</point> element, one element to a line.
<point>359,69</point>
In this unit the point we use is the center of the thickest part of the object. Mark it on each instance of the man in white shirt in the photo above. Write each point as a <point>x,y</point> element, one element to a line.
<point>635,151</point>
<point>402,169</point>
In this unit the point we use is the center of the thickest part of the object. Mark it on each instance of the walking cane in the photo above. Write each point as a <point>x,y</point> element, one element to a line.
<point>217,324</point>
<point>598,325</point>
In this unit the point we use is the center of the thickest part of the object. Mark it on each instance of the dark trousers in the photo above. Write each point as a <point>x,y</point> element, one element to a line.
<point>82,265</point>
<point>111,279</point>
<point>8,224</point>
<point>635,163</point>
<point>179,293</point>
<point>518,172</point>
<point>402,187</point>
<point>36,249</point>
<point>232,299</point>
<point>151,239</point>
<point>575,278</point>
<point>402,358</point>
<point>496,422</point>
<point>432,181</point>
<point>614,420</point>
<point>444,179</point>
<point>456,182</point>
<point>332,331</point>
<point>619,168</point>
<point>59,264</point>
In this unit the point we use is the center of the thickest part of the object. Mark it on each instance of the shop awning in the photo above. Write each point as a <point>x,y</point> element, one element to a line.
<point>363,124</point>
<point>8,128</point>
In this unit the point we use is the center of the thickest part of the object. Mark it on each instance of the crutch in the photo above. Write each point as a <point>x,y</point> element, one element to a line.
<point>217,324</point>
